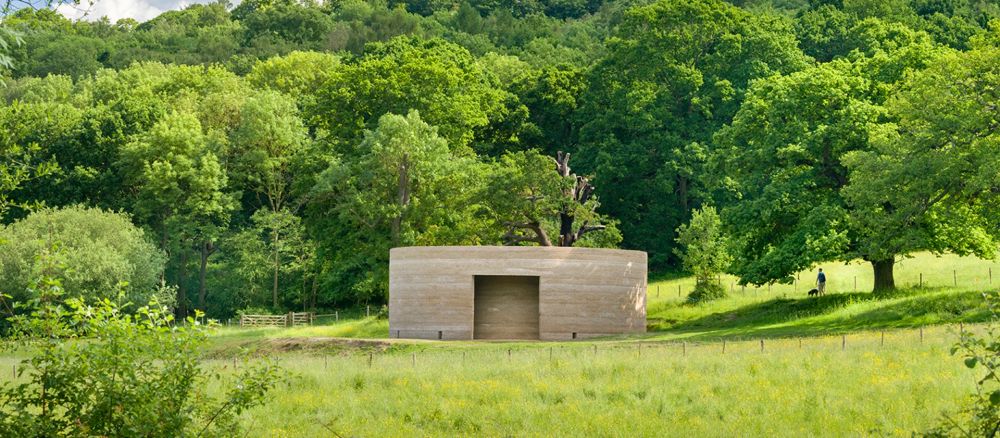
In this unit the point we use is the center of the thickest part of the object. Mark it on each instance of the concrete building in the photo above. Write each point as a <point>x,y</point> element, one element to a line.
<point>515,292</point>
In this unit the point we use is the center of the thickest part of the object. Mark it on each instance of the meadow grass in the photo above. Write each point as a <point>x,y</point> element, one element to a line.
<point>785,309</point>
<point>625,389</point>
<point>672,381</point>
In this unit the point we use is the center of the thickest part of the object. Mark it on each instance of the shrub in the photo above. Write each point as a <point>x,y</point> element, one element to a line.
<point>706,291</point>
<point>97,250</point>
<point>703,245</point>
<point>99,371</point>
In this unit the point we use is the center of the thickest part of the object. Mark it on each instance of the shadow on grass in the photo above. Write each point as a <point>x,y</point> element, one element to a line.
<point>834,314</point>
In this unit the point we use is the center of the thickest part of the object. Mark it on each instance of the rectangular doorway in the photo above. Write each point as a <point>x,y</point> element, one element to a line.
<point>506,307</point>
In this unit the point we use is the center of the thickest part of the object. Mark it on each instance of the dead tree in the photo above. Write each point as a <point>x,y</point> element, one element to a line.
<point>579,194</point>
<point>531,229</point>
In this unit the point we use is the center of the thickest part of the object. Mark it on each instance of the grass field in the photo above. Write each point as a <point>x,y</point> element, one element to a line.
<point>625,389</point>
<point>847,364</point>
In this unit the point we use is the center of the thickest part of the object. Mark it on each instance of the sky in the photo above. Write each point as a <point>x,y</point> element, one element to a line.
<point>115,10</point>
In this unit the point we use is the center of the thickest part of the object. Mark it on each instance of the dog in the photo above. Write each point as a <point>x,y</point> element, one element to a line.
<point>813,292</point>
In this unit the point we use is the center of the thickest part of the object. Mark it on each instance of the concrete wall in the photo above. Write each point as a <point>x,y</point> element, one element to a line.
<point>586,291</point>
<point>506,307</point>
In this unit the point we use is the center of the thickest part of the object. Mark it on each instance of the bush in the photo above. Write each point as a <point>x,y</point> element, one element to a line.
<point>99,371</point>
<point>96,250</point>
<point>706,291</point>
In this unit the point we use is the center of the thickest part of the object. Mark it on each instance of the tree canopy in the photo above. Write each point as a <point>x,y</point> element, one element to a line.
<point>273,152</point>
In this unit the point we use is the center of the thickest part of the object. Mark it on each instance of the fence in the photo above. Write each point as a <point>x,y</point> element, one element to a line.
<point>493,355</point>
<point>290,319</point>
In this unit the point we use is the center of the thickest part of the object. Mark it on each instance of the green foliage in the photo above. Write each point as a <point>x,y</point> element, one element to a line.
<point>97,250</point>
<point>674,72</point>
<point>706,291</point>
<point>931,180</point>
<point>981,417</point>
<point>781,158</point>
<point>405,187</point>
<point>437,78</point>
<point>98,370</point>
<point>212,127</point>
<point>8,39</point>
<point>704,249</point>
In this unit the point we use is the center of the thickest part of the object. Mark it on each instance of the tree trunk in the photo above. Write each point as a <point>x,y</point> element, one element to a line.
<point>182,286</point>
<point>884,279</point>
<point>682,192</point>
<point>403,194</point>
<point>207,248</point>
<point>314,287</point>
<point>277,267</point>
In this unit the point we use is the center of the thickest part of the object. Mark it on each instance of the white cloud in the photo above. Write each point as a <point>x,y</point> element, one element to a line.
<point>141,10</point>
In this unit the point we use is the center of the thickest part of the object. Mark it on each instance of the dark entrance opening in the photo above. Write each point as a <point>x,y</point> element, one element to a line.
<point>506,307</point>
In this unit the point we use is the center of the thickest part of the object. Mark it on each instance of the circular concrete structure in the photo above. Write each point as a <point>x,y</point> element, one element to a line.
<point>515,292</point>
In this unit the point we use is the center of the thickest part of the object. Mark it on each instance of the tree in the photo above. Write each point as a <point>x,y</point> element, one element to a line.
<point>97,249</point>
<point>703,252</point>
<point>782,162</point>
<point>181,188</point>
<point>439,79</point>
<point>675,72</point>
<point>532,202</point>
<point>932,181</point>
<point>781,158</point>
<point>269,138</point>
<point>297,74</point>
<point>405,187</point>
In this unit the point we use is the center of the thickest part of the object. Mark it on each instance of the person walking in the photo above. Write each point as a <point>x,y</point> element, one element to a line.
<point>821,282</point>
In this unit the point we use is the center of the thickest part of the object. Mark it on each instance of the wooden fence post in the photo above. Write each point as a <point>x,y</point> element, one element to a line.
<point>371,356</point>
<point>684,346</point>
<point>678,291</point>
<point>413,359</point>
<point>881,342</point>
<point>921,335</point>
<point>762,345</point>
<point>921,279</point>
<point>843,342</point>
<point>723,346</point>
<point>657,291</point>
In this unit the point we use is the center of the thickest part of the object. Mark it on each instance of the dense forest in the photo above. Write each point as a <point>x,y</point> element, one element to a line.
<point>270,154</point>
